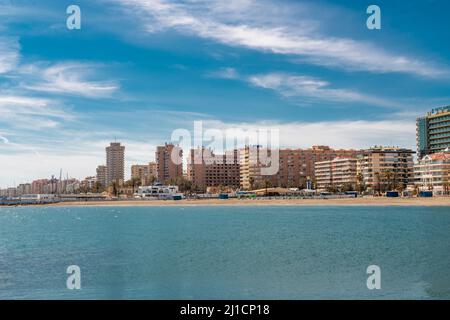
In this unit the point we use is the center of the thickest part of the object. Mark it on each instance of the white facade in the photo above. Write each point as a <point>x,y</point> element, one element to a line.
<point>432,173</point>
<point>158,192</point>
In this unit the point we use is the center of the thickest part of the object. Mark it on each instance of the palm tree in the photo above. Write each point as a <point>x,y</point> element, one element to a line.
<point>267,184</point>
<point>388,176</point>
<point>446,188</point>
<point>251,180</point>
<point>360,182</point>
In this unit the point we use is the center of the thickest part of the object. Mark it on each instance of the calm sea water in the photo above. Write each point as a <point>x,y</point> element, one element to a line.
<point>225,252</point>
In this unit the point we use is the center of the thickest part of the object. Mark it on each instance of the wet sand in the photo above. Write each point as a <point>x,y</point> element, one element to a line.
<point>369,201</point>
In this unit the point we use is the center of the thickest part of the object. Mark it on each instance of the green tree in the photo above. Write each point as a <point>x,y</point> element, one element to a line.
<point>251,180</point>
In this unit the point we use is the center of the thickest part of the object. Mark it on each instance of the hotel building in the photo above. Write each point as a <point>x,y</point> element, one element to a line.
<point>432,173</point>
<point>115,160</point>
<point>205,169</point>
<point>168,162</point>
<point>386,168</point>
<point>433,131</point>
<point>337,173</point>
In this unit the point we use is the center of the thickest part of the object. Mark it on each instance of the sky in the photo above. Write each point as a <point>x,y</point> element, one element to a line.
<point>139,69</point>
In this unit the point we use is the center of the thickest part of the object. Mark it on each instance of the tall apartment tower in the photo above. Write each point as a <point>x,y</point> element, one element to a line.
<point>115,160</point>
<point>433,131</point>
<point>168,167</point>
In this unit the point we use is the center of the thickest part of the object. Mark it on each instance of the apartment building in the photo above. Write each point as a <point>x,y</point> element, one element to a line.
<point>115,163</point>
<point>386,168</point>
<point>432,173</point>
<point>145,173</point>
<point>39,186</point>
<point>295,166</point>
<point>336,174</point>
<point>101,175</point>
<point>168,162</point>
<point>206,169</point>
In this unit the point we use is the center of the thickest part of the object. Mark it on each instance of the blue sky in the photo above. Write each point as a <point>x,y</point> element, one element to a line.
<point>138,69</point>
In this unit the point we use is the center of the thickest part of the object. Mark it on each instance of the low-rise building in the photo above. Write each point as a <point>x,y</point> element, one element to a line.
<point>432,173</point>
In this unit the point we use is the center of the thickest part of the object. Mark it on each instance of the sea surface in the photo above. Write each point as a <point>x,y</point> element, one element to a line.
<point>225,252</point>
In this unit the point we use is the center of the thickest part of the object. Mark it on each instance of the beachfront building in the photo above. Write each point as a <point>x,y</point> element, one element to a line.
<point>115,162</point>
<point>37,186</point>
<point>144,173</point>
<point>101,175</point>
<point>168,162</point>
<point>206,169</point>
<point>323,174</point>
<point>337,174</point>
<point>432,173</point>
<point>386,168</point>
<point>251,165</point>
<point>433,131</point>
<point>23,188</point>
<point>295,166</point>
<point>158,191</point>
<point>89,183</point>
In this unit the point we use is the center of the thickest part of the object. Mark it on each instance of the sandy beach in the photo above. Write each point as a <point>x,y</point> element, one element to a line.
<point>436,201</point>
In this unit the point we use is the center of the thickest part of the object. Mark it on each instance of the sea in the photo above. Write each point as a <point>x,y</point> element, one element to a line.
<point>225,252</point>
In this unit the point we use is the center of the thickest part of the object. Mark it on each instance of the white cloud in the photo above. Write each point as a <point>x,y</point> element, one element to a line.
<point>224,73</point>
<point>4,139</point>
<point>358,134</point>
<point>241,28</point>
<point>24,163</point>
<point>289,85</point>
<point>9,54</point>
<point>68,78</point>
<point>31,113</point>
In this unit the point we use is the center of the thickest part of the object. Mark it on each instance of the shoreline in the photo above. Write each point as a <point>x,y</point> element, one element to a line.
<point>382,201</point>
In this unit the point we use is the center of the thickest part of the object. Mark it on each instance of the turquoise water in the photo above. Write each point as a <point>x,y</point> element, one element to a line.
<point>225,252</point>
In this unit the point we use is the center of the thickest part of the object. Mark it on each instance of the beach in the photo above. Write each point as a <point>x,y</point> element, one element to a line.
<point>369,201</point>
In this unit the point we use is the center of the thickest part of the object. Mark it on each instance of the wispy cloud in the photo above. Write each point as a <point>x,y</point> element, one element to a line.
<point>314,89</point>
<point>224,73</point>
<point>67,78</point>
<point>9,54</point>
<point>31,113</point>
<point>309,89</point>
<point>206,19</point>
